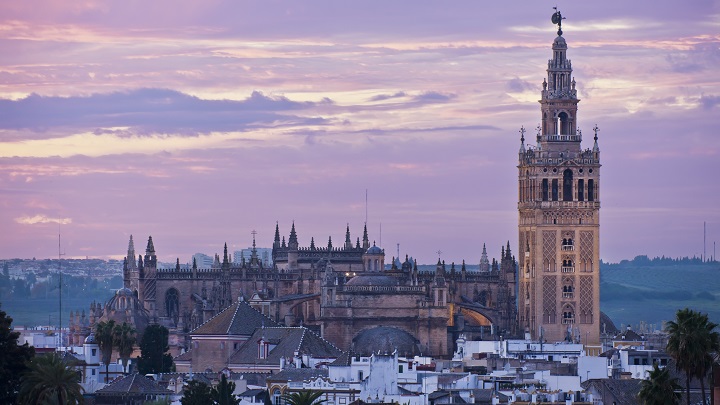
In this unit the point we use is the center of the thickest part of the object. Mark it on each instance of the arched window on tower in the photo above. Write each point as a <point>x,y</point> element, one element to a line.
<point>591,190</point>
<point>555,189</point>
<point>568,314</point>
<point>545,191</point>
<point>567,185</point>
<point>172,305</point>
<point>563,124</point>
<point>581,190</point>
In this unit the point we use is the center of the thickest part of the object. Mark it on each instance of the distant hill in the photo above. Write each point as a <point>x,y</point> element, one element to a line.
<point>652,290</point>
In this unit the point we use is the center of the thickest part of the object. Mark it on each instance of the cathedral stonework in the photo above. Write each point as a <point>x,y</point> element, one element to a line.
<point>559,216</point>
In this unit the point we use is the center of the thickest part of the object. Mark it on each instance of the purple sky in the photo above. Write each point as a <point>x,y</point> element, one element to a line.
<point>197,123</point>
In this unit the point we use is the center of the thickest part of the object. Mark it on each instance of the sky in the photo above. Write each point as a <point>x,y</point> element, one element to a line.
<point>198,122</point>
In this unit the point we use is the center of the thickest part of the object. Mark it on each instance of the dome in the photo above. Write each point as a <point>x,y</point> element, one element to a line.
<point>374,250</point>
<point>559,42</point>
<point>124,292</point>
<point>125,306</point>
<point>385,340</point>
<point>372,279</point>
<point>90,340</point>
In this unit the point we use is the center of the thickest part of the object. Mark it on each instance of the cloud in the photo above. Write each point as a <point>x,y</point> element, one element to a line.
<point>149,110</point>
<point>709,102</point>
<point>42,219</point>
<point>434,97</point>
<point>518,85</point>
<point>382,97</point>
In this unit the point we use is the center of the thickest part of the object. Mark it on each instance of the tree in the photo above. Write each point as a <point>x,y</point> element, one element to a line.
<point>13,358</point>
<point>50,380</point>
<point>223,393</point>
<point>153,351</point>
<point>692,340</point>
<point>105,338</point>
<point>124,341</point>
<point>659,388</point>
<point>197,393</point>
<point>304,397</point>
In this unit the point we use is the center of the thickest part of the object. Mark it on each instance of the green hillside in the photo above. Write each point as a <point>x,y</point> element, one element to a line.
<point>652,291</point>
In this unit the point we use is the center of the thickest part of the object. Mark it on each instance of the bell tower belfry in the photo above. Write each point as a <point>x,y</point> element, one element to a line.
<point>559,216</point>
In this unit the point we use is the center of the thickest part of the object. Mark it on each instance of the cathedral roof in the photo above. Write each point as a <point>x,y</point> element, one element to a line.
<point>372,279</point>
<point>237,319</point>
<point>132,384</point>
<point>385,340</point>
<point>284,342</point>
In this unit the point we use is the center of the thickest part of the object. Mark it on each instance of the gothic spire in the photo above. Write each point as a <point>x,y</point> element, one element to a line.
<point>348,241</point>
<point>131,254</point>
<point>366,240</point>
<point>150,250</point>
<point>225,255</point>
<point>484,262</point>
<point>292,241</point>
<point>276,243</point>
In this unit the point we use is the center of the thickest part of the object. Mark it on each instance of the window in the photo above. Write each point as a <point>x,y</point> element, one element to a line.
<point>591,190</point>
<point>94,352</point>
<point>172,305</point>
<point>400,368</point>
<point>545,189</point>
<point>567,185</point>
<point>581,190</point>
<point>360,375</point>
<point>555,189</point>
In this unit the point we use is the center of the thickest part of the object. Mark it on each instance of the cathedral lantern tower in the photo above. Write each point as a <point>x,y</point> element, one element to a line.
<point>559,216</point>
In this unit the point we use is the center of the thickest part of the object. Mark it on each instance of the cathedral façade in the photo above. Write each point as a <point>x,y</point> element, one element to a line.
<point>338,291</point>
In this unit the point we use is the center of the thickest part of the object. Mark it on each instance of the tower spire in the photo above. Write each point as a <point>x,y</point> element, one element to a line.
<point>348,241</point>
<point>276,242</point>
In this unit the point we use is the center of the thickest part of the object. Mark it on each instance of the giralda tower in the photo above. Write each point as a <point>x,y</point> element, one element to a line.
<point>559,216</point>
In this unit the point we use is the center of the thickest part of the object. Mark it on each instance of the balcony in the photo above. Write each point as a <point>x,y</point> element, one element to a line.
<point>568,248</point>
<point>568,321</point>
<point>570,269</point>
<point>569,204</point>
<point>564,138</point>
<point>568,295</point>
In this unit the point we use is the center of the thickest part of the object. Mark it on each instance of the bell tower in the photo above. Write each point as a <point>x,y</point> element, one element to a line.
<point>559,216</point>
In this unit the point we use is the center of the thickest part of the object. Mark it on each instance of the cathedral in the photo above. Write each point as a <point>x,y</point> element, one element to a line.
<point>349,295</point>
<point>340,292</point>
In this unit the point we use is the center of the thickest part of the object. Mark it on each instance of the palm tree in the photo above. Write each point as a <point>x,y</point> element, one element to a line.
<point>691,342</point>
<point>709,340</point>
<point>124,340</point>
<point>105,340</point>
<point>660,388</point>
<point>304,397</point>
<point>50,380</point>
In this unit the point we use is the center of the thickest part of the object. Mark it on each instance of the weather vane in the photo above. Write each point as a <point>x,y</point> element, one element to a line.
<point>522,133</point>
<point>557,19</point>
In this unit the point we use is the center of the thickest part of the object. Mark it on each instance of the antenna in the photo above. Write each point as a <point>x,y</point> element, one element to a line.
<point>366,206</point>
<point>398,251</point>
<point>60,288</point>
<point>381,235</point>
<point>704,239</point>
